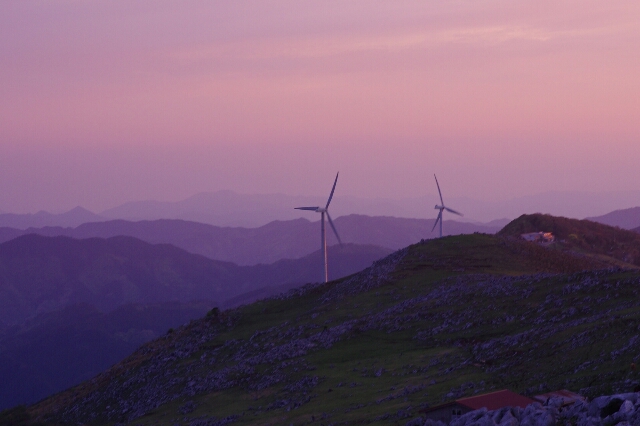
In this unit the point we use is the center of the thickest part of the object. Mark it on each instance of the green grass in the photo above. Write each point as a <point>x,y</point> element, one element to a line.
<point>386,364</point>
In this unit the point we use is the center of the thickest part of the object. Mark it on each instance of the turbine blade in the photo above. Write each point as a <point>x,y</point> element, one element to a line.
<point>334,228</point>
<point>439,192</point>
<point>332,189</point>
<point>437,219</point>
<point>453,211</point>
<point>306,208</point>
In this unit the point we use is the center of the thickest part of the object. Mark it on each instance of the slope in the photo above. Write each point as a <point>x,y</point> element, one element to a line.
<point>429,323</point>
<point>77,289</point>
<point>59,349</point>
<point>582,236</point>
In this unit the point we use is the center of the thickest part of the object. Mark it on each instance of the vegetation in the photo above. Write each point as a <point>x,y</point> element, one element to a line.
<point>581,236</point>
<point>437,321</point>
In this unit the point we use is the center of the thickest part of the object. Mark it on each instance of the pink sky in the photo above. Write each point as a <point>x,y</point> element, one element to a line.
<point>103,102</point>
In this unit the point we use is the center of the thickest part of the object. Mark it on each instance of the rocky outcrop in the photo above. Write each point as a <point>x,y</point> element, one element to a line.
<point>620,409</point>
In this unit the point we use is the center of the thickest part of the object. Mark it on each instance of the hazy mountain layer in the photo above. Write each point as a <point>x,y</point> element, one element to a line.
<point>228,208</point>
<point>72,218</point>
<point>626,218</point>
<point>431,323</point>
<point>277,240</point>
<point>42,274</point>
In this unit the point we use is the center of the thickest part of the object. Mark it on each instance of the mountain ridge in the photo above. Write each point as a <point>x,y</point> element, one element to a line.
<point>266,244</point>
<point>39,274</point>
<point>624,218</point>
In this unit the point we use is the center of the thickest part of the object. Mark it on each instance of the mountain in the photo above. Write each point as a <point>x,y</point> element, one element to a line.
<point>626,218</point>
<point>266,244</point>
<point>72,218</point>
<point>228,208</point>
<point>59,349</point>
<point>71,308</point>
<point>430,323</point>
<point>42,274</point>
<point>582,237</point>
<point>231,209</point>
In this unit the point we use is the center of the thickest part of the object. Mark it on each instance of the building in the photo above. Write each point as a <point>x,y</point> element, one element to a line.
<point>539,237</point>
<point>491,401</point>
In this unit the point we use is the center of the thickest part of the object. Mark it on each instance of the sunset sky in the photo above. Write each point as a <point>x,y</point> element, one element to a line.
<point>103,102</point>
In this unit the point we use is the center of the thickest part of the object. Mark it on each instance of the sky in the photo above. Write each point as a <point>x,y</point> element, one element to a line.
<point>104,102</point>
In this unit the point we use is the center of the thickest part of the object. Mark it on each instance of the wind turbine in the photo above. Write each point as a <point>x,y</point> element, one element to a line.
<point>323,233</point>
<point>441,207</point>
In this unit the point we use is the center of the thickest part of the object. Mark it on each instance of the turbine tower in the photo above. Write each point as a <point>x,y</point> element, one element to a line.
<point>323,233</point>
<point>441,207</point>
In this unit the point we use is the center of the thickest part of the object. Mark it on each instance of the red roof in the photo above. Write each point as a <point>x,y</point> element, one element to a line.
<point>495,400</point>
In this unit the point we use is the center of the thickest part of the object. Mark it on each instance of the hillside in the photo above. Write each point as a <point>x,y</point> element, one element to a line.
<point>429,323</point>
<point>60,349</point>
<point>77,289</point>
<point>581,236</point>
<point>266,244</point>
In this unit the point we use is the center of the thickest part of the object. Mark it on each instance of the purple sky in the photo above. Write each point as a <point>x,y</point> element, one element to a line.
<point>103,102</point>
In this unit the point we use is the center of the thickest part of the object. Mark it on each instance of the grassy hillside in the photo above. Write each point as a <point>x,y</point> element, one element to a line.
<point>60,321</point>
<point>430,323</point>
<point>581,236</point>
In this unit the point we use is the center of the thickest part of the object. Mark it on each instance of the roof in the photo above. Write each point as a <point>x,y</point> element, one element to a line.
<point>495,400</point>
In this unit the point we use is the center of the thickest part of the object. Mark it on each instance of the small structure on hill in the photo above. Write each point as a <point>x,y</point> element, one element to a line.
<point>539,237</point>
<point>491,401</point>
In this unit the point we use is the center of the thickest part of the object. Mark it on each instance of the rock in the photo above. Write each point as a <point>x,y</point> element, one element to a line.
<point>430,422</point>
<point>415,422</point>
<point>626,408</point>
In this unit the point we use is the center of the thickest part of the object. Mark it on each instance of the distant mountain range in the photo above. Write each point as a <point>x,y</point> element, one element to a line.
<point>72,218</point>
<point>625,219</point>
<point>266,244</point>
<point>228,208</point>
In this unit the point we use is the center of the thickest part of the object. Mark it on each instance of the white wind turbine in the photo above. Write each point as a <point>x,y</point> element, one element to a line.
<point>322,211</point>
<point>441,207</point>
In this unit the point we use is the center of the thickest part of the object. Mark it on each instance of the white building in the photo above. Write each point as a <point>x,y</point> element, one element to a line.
<point>539,237</point>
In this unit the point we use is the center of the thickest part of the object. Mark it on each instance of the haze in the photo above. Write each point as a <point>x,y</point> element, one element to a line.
<point>105,102</point>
